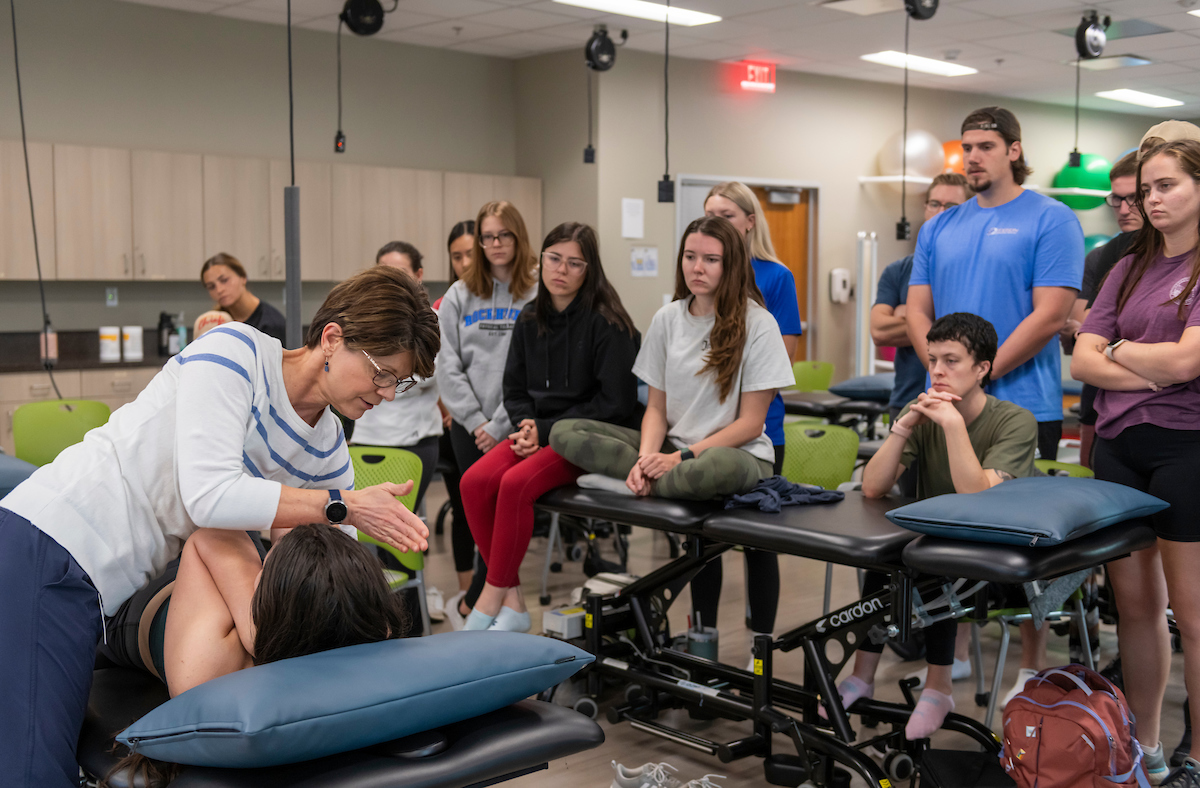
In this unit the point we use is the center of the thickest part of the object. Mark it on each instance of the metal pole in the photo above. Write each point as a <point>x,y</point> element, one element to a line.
<point>291,246</point>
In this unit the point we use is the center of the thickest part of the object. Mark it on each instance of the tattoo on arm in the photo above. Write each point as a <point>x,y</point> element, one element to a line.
<point>1005,476</point>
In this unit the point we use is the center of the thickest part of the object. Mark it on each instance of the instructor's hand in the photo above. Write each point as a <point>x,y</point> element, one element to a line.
<point>376,512</point>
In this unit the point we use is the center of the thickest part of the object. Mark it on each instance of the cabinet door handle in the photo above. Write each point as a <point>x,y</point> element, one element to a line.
<point>39,389</point>
<point>279,264</point>
<point>264,265</point>
<point>121,386</point>
<point>125,259</point>
<point>142,257</point>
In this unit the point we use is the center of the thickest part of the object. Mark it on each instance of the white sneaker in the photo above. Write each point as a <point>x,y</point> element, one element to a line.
<point>704,782</point>
<point>648,775</point>
<point>434,603</point>
<point>1023,675</point>
<point>450,608</point>
<point>960,670</point>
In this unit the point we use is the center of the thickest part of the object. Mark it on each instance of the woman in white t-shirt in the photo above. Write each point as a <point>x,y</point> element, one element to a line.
<point>234,433</point>
<point>713,359</point>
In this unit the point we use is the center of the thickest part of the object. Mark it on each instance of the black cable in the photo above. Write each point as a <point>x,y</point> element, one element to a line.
<point>339,72</point>
<point>1077,70</point>
<point>37,255</point>
<point>904,137</point>
<point>589,100</point>
<point>291,98</point>
<point>667,96</point>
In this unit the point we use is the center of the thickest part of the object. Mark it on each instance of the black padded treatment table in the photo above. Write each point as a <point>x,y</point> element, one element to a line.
<point>486,750</point>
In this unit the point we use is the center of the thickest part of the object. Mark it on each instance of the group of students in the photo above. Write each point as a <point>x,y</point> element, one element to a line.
<point>536,364</point>
<point>1127,315</point>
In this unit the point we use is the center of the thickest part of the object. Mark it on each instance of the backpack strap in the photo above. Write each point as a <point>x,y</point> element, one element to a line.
<point>1060,672</point>
<point>1136,772</point>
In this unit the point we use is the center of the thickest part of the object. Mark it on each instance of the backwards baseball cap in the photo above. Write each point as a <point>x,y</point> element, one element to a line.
<point>1168,131</point>
<point>996,119</point>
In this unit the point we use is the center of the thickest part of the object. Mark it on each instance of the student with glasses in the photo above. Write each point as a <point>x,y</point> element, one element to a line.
<point>412,420</point>
<point>477,316</point>
<point>571,356</point>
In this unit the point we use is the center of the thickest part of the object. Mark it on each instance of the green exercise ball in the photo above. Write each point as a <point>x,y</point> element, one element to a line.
<point>1092,173</point>
<point>1095,241</point>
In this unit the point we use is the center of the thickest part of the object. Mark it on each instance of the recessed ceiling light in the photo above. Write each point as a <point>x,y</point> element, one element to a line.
<point>655,12</point>
<point>863,7</point>
<point>1111,62</point>
<point>1195,13</point>
<point>917,63</point>
<point>1139,98</point>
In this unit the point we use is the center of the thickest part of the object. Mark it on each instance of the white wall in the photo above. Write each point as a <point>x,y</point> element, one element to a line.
<point>98,72</point>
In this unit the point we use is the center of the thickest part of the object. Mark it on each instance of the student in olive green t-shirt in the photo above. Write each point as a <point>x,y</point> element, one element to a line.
<point>963,440</point>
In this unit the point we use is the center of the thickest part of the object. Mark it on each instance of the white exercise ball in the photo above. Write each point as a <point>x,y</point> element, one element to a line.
<point>926,158</point>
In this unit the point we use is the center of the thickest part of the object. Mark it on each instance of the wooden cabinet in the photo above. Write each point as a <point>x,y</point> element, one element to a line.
<point>465,193</point>
<point>168,215</point>
<point>115,385</point>
<point>316,220</point>
<point>375,205</point>
<point>17,259</point>
<point>93,220</point>
<point>237,212</point>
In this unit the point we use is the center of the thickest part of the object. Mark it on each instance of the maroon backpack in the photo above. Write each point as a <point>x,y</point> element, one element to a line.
<point>1071,727</point>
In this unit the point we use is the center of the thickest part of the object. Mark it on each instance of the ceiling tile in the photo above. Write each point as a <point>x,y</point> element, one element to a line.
<point>199,6</point>
<point>521,19</point>
<point>449,8</point>
<point>461,30</point>
<point>300,8</point>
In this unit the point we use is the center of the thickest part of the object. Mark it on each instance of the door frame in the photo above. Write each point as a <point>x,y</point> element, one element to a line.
<point>814,189</point>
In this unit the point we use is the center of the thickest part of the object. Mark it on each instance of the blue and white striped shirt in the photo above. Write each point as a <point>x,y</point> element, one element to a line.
<point>209,443</point>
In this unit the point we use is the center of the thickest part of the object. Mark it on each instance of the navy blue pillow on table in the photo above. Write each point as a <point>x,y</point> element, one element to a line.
<point>873,388</point>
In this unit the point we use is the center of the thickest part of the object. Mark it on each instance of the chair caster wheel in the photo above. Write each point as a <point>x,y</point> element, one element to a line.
<point>576,552</point>
<point>981,699</point>
<point>587,707</point>
<point>898,765</point>
<point>556,567</point>
<point>633,692</point>
<point>544,600</point>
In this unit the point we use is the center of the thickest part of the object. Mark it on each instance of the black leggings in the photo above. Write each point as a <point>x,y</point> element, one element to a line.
<point>1162,462</point>
<point>466,453</point>
<point>762,583</point>
<point>939,637</point>
<point>1049,434</point>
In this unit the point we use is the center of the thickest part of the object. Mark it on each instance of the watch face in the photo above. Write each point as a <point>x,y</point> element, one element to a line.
<point>335,511</point>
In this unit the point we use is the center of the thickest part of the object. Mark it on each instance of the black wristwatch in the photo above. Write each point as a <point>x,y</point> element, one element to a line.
<point>686,454</point>
<point>336,511</point>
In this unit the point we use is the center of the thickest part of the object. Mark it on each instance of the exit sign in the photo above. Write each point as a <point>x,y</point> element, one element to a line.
<point>758,77</point>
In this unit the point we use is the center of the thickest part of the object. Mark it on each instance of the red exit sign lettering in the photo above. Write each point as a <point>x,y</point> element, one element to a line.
<point>758,77</point>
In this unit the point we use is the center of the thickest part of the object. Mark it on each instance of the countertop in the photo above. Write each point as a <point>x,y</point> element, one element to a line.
<point>76,350</point>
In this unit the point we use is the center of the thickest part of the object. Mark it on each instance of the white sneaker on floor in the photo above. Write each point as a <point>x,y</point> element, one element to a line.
<point>434,603</point>
<point>1023,675</point>
<point>960,670</point>
<point>704,782</point>
<point>648,775</point>
<point>450,608</point>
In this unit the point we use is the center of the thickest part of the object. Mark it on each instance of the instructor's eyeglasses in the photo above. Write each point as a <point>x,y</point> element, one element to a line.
<point>385,380</point>
<point>1114,200</point>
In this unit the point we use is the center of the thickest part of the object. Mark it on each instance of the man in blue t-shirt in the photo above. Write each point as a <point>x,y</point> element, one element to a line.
<point>889,326</point>
<point>1011,256</point>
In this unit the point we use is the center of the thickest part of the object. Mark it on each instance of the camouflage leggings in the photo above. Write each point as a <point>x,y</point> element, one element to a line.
<point>598,447</point>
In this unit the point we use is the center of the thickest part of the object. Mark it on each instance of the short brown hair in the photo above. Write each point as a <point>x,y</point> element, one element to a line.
<point>1004,123</point>
<point>227,260</point>
<point>951,179</point>
<point>478,278</point>
<point>1125,167</point>
<point>383,311</point>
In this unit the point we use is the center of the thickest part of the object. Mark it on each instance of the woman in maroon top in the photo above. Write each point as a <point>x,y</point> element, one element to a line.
<point>1141,346</point>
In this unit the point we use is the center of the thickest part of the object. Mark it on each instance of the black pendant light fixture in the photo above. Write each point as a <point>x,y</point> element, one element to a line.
<point>922,10</point>
<point>666,187</point>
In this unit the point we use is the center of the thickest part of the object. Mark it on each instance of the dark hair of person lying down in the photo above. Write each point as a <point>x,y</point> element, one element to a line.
<point>977,335</point>
<point>319,590</point>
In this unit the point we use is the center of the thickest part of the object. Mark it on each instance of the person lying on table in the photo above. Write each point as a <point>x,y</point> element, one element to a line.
<point>963,441</point>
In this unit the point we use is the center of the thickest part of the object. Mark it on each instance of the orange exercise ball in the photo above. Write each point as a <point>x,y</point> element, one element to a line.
<point>954,156</point>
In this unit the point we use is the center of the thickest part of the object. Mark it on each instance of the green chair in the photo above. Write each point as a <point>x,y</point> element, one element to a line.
<point>375,465</point>
<point>812,376</point>
<point>1073,470</point>
<point>819,454</point>
<point>41,430</point>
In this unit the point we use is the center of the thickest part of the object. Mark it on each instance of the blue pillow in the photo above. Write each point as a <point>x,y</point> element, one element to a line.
<point>873,388</point>
<point>1036,511</point>
<point>340,700</point>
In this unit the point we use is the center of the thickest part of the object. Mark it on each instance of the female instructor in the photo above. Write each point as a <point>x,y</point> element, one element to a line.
<point>233,433</point>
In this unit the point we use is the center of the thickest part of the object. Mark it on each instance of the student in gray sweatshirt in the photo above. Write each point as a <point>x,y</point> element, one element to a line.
<point>477,316</point>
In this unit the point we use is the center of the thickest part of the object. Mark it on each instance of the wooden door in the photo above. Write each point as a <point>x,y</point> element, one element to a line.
<point>316,219</point>
<point>526,195</point>
<point>93,219</point>
<point>789,234</point>
<point>464,194</point>
<point>415,216</point>
<point>168,216</point>
<point>237,214</point>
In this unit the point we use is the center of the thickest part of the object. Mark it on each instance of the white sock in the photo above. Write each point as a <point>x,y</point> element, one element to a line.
<point>477,620</point>
<point>509,620</point>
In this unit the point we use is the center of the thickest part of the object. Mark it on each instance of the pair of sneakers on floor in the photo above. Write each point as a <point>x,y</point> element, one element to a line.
<point>508,620</point>
<point>656,775</point>
<point>1185,776</point>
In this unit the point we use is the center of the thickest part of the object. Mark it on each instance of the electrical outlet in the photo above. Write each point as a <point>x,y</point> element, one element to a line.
<point>110,296</point>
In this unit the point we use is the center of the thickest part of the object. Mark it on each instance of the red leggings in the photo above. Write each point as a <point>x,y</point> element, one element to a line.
<point>498,493</point>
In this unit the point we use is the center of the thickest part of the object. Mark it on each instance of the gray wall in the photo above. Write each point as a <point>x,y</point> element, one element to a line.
<point>97,72</point>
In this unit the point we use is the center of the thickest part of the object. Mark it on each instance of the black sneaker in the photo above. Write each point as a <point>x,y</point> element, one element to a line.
<point>1113,673</point>
<point>1186,776</point>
